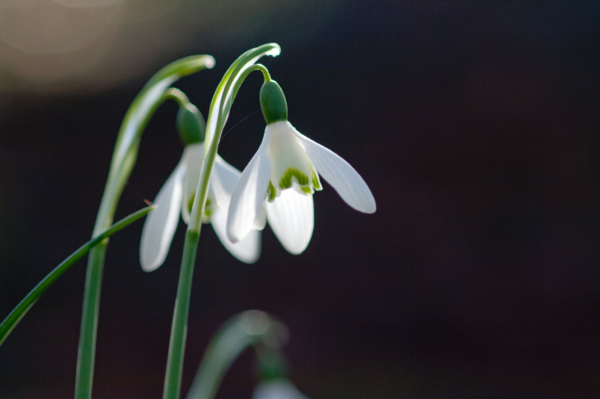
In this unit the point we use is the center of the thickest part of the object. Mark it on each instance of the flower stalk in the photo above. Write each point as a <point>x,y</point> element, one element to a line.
<point>217,117</point>
<point>125,154</point>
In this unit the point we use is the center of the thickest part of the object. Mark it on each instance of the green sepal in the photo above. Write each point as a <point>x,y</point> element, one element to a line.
<point>272,102</point>
<point>190,124</point>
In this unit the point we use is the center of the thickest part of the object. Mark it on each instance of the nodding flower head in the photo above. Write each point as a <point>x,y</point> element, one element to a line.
<point>283,175</point>
<point>177,196</point>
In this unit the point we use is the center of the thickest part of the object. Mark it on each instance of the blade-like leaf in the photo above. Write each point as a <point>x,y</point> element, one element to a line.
<point>124,157</point>
<point>23,307</point>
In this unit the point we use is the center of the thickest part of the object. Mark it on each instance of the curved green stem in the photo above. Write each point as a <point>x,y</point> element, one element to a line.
<point>124,156</point>
<point>259,67</point>
<point>14,317</point>
<point>250,328</point>
<point>176,95</point>
<point>219,111</point>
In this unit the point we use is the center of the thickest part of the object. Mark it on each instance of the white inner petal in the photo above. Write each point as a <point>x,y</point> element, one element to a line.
<point>291,217</point>
<point>289,161</point>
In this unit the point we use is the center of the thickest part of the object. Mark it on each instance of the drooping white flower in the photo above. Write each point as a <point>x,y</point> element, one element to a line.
<point>285,172</point>
<point>277,389</point>
<point>176,197</point>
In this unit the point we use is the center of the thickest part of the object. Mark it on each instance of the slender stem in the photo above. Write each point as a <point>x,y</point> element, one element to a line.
<point>262,68</point>
<point>180,317</point>
<point>86,352</point>
<point>220,110</point>
<point>176,95</point>
<point>89,322</point>
<point>124,156</point>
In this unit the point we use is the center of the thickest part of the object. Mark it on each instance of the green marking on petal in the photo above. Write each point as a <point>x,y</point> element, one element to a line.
<point>208,208</point>
<point>307,190</point>
<point>315,181</point>
<point>271,192</point>
<point>286,180</point>
<point>208,211</point>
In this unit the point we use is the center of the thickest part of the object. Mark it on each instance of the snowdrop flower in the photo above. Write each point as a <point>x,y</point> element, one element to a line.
<point>177,195</point>
<point>277,389</point>
<point>285,172</point>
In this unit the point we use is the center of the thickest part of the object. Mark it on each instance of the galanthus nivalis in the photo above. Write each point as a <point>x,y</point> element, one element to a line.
<point>282,176</point>
<point>177,195</point>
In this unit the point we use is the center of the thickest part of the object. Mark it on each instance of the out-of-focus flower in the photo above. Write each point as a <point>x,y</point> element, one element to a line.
<point>277,389</point>
<point>286,159</point>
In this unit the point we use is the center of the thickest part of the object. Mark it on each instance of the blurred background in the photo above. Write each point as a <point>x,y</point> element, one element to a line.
<point>475,124</point>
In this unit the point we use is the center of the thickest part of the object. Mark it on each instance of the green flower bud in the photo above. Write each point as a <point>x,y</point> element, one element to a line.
<point>190,124</point>
<point>272,102</point>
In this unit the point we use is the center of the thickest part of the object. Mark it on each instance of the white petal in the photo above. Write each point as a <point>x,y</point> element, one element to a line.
<point>289,162</point>
<point>223,181</point>
<point>342,177</point>
<point>277,389</point>
<point>249,193</point>
<point>161,223</point>
<point>192,158</point>
<point>291,216</point>
<point>261,220</point>
<point>246,250</point>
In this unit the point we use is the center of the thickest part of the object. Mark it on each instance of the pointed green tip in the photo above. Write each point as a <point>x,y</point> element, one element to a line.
<point>273,103</point>
<point>190,124</point>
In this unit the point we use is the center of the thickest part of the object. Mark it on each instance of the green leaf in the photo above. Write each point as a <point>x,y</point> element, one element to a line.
<point>124,157</point>
<point>23,307</point>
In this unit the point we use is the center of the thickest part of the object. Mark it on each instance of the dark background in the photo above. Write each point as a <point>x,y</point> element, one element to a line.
<point>475,124</point>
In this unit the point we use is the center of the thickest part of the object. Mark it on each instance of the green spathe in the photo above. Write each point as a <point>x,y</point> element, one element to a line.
<point>190,124</point>
<point>272,102</point>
